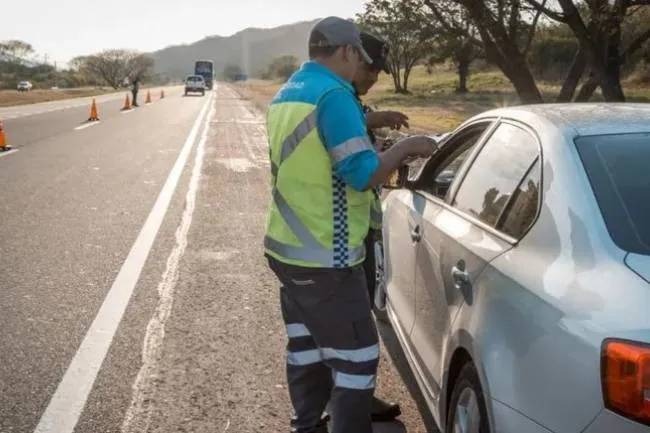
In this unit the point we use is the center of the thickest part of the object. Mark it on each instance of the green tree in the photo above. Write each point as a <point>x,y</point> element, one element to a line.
<point>114,67</point>
<point>283,67</point>
<point>599,27</point>
<point>456,39</point>
<point>232,72</point>
<point>506,30</point>
<point>15,51</point>
<point>406,26</point>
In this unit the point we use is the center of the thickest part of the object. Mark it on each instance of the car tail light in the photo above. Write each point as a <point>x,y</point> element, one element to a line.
<point>626,378</point>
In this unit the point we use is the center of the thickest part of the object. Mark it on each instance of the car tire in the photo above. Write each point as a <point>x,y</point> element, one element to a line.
<point>467,412</point>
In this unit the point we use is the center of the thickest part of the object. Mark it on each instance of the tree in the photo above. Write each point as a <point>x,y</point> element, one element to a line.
<point>552,52</point>
<point>283,67</point>
<point>457,39</point>
<point>598,25</point>
<point>232,72</point>
<point>506,31</point>
<point>114,67</point>
<point>406,27</point>
<point>15,51</point>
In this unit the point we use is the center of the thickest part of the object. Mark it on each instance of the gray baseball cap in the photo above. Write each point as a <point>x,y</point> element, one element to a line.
<point>337,32</point>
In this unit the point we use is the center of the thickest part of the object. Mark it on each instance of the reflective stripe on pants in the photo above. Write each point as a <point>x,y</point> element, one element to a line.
<point>332,350</point>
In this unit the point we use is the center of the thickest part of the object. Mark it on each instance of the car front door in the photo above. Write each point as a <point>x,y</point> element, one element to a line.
<point>401,228</point>
<point>462,232</point>
<point>402,231</point>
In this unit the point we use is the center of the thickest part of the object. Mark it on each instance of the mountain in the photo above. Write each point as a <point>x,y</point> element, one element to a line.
<point>252,49</point>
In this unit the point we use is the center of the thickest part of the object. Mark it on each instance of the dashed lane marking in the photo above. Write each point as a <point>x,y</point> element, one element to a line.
<point>87,125</point>
<point>8,152</point>
<point>67,403</point>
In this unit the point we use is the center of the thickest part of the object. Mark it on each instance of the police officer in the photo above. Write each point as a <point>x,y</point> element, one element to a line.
<point>135,87</point>
<point>323,166</point>
<point>365,78</point>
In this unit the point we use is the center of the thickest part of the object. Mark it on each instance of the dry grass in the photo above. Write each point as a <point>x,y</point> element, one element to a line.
<point>261,92</point>
<point>433,105</point>
<point>13,97</point>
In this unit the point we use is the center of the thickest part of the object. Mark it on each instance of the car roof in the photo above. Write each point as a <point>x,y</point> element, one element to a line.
<point>583,119</point>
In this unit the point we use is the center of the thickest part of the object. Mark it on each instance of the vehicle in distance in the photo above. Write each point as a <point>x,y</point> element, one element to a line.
<point>517,271</point>
<point>205,68</point>
<point>194,84</point>
<point>24,86</point>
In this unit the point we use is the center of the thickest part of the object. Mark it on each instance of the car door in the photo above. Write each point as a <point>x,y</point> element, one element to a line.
<point>401,225</point>
<point>461,233</point>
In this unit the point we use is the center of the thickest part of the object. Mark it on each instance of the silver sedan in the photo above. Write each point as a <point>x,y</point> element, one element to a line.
<point>516,271</point>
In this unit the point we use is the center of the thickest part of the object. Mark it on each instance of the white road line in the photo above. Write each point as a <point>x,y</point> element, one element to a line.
<point>8,152</point>
<point>138,415</point>
<point>87,125</point>
<point>67,403</point>
<point>127,111</point>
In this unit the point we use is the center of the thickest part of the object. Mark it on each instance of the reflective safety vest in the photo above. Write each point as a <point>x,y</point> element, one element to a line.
<point>315,220</point>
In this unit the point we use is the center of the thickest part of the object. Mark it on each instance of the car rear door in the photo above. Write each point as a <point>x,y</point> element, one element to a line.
<point>464,231</point>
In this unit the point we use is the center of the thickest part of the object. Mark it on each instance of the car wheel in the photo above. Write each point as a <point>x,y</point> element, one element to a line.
<point>467,411</point>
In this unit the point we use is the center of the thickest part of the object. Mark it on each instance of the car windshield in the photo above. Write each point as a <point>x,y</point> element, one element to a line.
<point>617,166</point>
<point>195,79</point>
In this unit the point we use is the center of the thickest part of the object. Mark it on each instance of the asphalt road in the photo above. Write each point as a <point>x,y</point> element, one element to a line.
<point>134,296</point>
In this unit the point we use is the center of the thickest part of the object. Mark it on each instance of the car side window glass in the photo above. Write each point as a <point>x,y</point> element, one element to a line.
<point>522,210</point>
<point>439,182</point>
<point>496,173</point>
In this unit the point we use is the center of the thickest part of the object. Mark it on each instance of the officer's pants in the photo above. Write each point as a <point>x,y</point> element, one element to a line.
<point>333,349</point>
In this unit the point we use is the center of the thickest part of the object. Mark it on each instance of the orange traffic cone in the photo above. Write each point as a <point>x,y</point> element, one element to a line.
<point>3,140</point>
<point>162,94</point>
<point>93,112</point>
<point>148,100</point>
<point>127,103</point>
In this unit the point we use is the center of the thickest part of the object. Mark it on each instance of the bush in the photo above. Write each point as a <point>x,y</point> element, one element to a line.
<point>232,73</point>
<point>552,53</point>
<point>282,68</point>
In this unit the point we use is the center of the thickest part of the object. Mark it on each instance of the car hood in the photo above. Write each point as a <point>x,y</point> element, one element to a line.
<point>639,264</point>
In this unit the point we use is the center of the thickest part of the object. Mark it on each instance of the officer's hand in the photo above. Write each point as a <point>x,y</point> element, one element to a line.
<point>387,119</point>
<point>419,146</point>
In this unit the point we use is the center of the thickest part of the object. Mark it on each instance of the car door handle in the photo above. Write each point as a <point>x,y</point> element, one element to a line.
<point>416,236</point>
<point>460,276</point>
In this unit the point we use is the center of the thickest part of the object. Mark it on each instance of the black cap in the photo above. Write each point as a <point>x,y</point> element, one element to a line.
<point>377,49</point>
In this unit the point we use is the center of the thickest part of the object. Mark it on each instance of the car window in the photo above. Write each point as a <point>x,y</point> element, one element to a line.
<point>497,173</point>
<point>438,177</point>
<point>617,166</point>
<point>522,209</point>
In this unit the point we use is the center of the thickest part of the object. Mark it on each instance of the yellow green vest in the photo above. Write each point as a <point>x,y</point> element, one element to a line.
<point>315,219</point>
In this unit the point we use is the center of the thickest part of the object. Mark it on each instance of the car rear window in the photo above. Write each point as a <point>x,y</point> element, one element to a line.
<point>618,167</point>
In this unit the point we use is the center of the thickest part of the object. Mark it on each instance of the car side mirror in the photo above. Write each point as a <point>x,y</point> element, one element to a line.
<point>398,179</point>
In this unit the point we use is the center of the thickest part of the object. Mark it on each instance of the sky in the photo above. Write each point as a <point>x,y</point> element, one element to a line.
<point>63,29</point>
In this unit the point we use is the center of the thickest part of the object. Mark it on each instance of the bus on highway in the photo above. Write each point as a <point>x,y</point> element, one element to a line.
<point>205,68</point>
